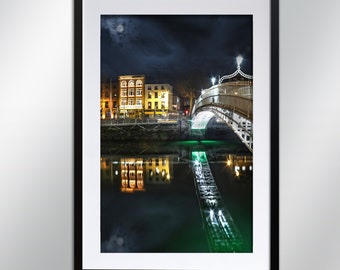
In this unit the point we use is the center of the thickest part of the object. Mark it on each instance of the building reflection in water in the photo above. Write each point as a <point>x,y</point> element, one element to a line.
<point>133,173</point>
<point>158,170</point>
<point>242,166</point>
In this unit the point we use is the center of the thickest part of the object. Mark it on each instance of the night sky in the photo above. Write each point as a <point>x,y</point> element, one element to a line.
<point>175,48</point>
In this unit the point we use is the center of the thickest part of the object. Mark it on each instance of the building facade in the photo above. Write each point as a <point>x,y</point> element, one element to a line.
<point>108,100</point>
<point>131,96</point>
<point>158,100</point>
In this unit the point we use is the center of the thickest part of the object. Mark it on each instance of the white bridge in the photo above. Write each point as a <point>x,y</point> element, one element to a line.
<point>231,101</point>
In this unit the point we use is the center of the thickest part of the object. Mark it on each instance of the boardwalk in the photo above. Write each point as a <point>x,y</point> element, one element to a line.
<point>221,231</point>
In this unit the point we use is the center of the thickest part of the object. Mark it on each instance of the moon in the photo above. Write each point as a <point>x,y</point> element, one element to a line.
<point>120,28</point>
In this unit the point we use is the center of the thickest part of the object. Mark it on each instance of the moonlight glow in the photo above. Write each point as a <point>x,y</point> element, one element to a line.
<point>120,28</point>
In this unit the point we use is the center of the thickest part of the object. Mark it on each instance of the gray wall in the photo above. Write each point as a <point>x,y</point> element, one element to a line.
<point>36,97</point>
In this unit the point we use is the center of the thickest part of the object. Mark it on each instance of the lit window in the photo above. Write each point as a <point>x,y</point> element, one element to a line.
<point>123,84</point>
<point>138,92</point>
<point>139,83</point>
<point>139,101</point>
<point>131,92</point>
<point>131,83</point>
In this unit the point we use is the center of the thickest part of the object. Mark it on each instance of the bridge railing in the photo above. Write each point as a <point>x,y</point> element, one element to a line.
<point>144,121</point>
<point>241,105</point>
<point>236,96</point>
<point>243,89</point>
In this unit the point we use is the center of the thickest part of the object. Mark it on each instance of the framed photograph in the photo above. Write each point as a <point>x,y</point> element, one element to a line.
<point>176,134</point>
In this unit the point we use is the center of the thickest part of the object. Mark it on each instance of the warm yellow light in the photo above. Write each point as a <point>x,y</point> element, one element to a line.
<point>132,183</point>
<point>229,162</point>
<point>127,189</point>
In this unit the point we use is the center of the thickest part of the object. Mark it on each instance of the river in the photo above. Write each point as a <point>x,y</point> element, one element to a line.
<point>149,201</point>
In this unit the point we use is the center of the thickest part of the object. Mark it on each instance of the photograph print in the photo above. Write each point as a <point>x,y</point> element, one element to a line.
<point>176,133</point>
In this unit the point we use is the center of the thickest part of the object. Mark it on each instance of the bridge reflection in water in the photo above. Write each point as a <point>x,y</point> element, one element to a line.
<point>149,199</point>
<point>223,236</point>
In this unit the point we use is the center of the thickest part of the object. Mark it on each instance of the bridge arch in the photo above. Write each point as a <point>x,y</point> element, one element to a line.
<point>241,126</point>
<point>231,101</point>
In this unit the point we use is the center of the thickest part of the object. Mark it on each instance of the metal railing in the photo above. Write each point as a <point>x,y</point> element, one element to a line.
<point>145,121</point>
<point>237,97</point>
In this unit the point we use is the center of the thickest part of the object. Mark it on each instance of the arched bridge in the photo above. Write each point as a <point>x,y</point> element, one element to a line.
<point>231,101</point>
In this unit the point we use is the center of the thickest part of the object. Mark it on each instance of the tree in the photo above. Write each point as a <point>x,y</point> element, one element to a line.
<point>186,90</point>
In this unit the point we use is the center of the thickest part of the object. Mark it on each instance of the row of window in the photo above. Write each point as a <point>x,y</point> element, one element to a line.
<point>138,102</point>
<point>139,91</point>
<point>157,161</point>
<point>156,105</point>
<point>131,83</point>
<point>156,95</point>
<point>131,101</point>
<point>155,87</point>
<point>107,104</point>
<point>131,92</point>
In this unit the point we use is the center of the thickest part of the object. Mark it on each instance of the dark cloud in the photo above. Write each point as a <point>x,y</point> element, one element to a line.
<point>171,48</point>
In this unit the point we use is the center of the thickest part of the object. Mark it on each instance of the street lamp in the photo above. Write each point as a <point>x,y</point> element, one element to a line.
<point>213,80</point>
<point>239,60</point>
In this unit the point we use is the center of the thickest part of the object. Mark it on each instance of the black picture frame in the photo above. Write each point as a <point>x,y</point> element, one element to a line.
<point>79,143</point>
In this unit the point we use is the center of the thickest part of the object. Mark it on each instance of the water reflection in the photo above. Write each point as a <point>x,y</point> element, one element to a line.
<point>134,172</point>
<point>222,233</point>
<point>241,165</point>
<point>149,200</point>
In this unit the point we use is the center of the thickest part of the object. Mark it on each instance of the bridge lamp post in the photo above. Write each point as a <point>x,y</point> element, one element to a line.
<point>239,60</point>
<point>213,80</point>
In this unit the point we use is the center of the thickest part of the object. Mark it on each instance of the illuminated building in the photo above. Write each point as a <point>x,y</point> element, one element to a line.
<point>132,174</point>
<point>158,100</point>
<point>131,96</point>
<point>241,165</point>
<point>158,170</point>
<point>108,100</point>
